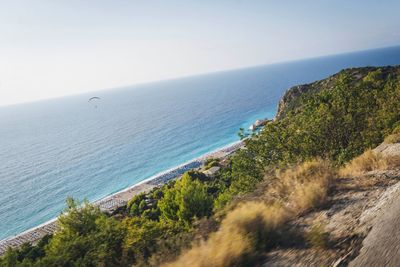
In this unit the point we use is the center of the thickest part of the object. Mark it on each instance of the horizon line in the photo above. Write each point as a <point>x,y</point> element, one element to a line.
<point>196,75</point>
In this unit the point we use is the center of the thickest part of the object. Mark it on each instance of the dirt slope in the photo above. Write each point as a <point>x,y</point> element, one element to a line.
<point>361,221</point>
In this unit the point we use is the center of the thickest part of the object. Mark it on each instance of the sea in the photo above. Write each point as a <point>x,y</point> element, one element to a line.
<point>70,146</point>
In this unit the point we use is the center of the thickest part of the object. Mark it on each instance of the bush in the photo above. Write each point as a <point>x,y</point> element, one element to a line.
<point>309,195</point>
<point>185,201</point>
<point>211,162</point>
<point>246,230</point>
<point>369,161</point>
<point>222,200</point>
<point>336,119</point>
<point>396,129</point>
<point>304,186</point>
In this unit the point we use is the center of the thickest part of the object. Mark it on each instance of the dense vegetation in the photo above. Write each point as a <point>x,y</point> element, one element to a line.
<point>336,120</point>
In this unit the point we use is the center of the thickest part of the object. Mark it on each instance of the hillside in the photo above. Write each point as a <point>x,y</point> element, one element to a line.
<point>299,192</point>
<point>351,227</point>
<point>292,98</point>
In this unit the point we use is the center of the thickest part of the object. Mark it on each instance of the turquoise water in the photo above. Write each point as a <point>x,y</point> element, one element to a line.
<point>67,147</point>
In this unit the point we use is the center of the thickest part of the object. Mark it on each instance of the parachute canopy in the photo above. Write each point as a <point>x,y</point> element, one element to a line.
<point>94,98</point>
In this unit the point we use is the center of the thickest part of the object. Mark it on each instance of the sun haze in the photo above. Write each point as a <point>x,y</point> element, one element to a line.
<point>56,48</point>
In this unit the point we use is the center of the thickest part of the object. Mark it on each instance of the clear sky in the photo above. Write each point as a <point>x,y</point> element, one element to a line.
<point>51,48</point>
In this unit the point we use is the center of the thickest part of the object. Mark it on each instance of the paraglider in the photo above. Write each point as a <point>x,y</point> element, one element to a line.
<point>94,99</point>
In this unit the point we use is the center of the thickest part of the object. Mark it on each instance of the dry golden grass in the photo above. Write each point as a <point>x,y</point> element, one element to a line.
<point>392,139</point>
<point>309,195</point>
<point>369,161</point>
<point>304,186</point>
<point>244,230</point>
<point>252,225</point>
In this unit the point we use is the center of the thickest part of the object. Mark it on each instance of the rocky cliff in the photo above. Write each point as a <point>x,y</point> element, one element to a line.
<point>290,100</point>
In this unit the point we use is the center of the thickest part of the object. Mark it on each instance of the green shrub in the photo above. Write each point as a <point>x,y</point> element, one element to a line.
<point>185,201</point>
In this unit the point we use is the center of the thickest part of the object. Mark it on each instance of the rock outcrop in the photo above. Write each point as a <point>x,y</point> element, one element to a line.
<point>289,98</point>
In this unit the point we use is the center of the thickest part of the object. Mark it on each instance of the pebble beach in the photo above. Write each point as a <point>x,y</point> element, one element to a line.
<point>110,203</point>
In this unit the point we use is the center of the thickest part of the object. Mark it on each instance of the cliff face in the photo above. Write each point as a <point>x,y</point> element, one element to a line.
<point>289,98</point>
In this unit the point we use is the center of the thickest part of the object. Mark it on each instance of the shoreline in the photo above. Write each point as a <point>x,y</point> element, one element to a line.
<point>120,198</point>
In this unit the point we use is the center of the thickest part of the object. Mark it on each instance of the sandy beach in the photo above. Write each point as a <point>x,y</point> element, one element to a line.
<point>110,203</point>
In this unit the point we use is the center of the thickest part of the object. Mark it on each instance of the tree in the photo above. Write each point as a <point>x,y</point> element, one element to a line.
<point>10,259</point>
<point>86,237</point>
<point>186,200</point>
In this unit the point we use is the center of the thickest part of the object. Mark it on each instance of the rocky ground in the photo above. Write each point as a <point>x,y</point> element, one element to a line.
<point>360,223</point>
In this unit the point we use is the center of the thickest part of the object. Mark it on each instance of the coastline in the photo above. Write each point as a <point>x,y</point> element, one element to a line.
<point>116,200</point>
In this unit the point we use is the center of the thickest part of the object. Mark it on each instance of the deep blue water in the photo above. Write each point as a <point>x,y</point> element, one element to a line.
<point>66,147</point>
